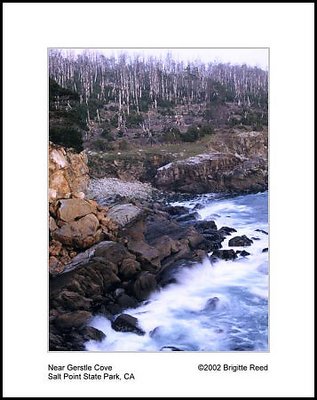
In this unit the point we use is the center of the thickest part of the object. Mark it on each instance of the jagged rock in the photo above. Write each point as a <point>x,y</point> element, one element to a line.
<point>226,230</point>
<point>262,231</point>
<point>203,226</point>
<point>194,237</point>
<point>52,224</point>
<point>164,245</point>
<point>225,254</point>
<point>79,234</point>
<point>231,166</point>
<point>68,172</point>
<point>55,248</point>
<point>244,253</point>
<point>238,241</point>
<point>91,333</point>
<point>127,323</point>
<point>144,285</point>
<point>211,304</point>
<point>71,320</point>
<point>71,209</point>
<point>112,251</point>
<point>170,348</point>
<point>70,300</point>
<point>126,301</point>
<point>265,250</point>
<point>145,253</point>
<point>129,268</point>
<point>192,216</point>
<point>176,210</point>
<point>124,214</point>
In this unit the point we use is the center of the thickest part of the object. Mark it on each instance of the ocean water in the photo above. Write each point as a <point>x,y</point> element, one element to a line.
<point>220,306</point>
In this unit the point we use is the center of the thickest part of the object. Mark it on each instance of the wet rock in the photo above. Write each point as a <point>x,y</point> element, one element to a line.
<point>265,250</point>
<point>127,323</point>
<point>194,238</point>
<point>170,348</point>
<point>244,253</point>
<point>226,231</point>
<point>238,241</point>
<point>91,333</point>
<point>205,226</point>
<point>71,209</point>
<point>129,268</point>
<point>225,254</point>
<point>211,304</point>
<point>73,301</point>
<point>176,210</point>
<point>71,320</point>
<point>126,301</point>
<point>192,216</point>
<point>144,285</point>
<point>255,238</point>
<point>262,231</point>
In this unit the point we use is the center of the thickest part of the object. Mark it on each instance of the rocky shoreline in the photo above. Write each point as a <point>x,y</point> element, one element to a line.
<point>108,257</point>
<point>114,275</point>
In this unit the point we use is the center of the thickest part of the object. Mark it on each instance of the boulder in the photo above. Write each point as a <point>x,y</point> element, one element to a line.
<point>91,333</point>
<point>239,241</point>
<point>127,323</point>
<point>226,230</point>
<point>70,300</point>
<point>124,214</point>
<point>79,234</point>
<point>211,304</point>
<point>126,301</point>
<point>70,320</point>
<point>265,250</point>
<point>71,209</point>
<point>244,253</point>
<point>225,254</point>
<point>129,268</point>
<point>202,226</point>
<point>144,285</point>
<point>112,251</point>
<point>145,253</point>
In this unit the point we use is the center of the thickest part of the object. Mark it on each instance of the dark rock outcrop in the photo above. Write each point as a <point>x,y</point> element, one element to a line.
<point>238,241</point>
<point>224,254</point>
<point>127,323</point>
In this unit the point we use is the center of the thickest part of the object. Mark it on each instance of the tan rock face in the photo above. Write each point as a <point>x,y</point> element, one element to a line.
<point>79,234</point>
<point>68,172</point>
<point>71,209</point>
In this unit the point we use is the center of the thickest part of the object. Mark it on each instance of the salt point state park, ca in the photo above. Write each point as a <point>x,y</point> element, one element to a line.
<point>79,372</point>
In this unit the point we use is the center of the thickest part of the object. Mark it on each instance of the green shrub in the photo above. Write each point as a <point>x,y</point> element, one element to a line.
<point>172,135</point>
<point>206,130</point>
<point>133,120</point>
<point>67,137</point>
<point>191,135</point>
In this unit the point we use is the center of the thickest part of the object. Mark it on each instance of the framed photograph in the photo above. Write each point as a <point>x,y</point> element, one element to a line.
<point>158,200</point>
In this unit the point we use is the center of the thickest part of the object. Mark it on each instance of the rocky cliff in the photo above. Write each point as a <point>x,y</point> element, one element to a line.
<point>237,163</point>
<point>68,172</point>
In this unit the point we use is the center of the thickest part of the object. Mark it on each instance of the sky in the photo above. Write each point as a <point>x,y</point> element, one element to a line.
<point>250,56</point>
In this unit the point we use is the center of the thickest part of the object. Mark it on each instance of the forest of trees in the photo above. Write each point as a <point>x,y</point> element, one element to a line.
<point>137,83</point>
<point>129,87</point>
